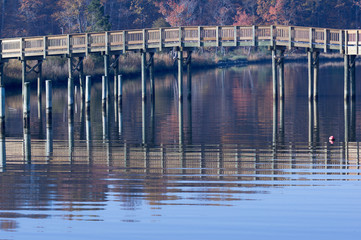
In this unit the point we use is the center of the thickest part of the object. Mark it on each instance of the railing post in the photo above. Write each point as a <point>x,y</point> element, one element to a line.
<point>272,36</point>
<point>87,44</point>
<point>311,38</point>
<point>106,39</point>
<point>45,44</point>
<point>235,36</point>
<point>290,37</point>
<point>326,39</point>
<point>217,36</point>
<point>22,48</point>
<point>160,39</point>
<point>356,42</point>
<point>180,37</point>
<point>199,36</point>
<point>68,44</point>
<point>254,35</point>
<point>346,42</point>
<point>144,33</point>
<point>124,41</point>
<point>341,41</point>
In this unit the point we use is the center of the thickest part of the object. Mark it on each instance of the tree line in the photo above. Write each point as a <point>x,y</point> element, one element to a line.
<point>44,17</point>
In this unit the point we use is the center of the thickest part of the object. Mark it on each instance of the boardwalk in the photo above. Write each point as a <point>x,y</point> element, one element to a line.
<point>118,42</point>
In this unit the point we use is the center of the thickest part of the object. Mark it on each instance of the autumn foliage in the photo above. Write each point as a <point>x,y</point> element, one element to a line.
<point>42,17</point>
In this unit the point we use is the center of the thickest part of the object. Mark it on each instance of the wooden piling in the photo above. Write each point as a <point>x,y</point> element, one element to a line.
<point>26,123</point>
<point>2,76</point>
<point>352,76</point>
<point>87,90</point>
<point>104,90</point>
<point>189,75</point>
<point>39,78</point>
<point>281,74</point>
<point>180,75</point>
<point>106,74</point>
<point>70,83</point>
<point>23,74</point>
<point>26,105</point>
<point>346,78</point>
<point>143,65</point>
<point>151,75</point>
<point>2,111</point>
<point>81,77</point>
<point>49,99</point>
<point>120,88</point>
<point>274,73</point>
<point>316,55</point>
<point>310,74</point>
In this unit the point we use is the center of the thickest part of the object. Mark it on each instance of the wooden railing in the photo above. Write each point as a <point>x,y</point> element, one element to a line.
<point>345,41</point>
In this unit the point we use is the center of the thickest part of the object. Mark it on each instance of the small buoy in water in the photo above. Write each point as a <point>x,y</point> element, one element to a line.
<point>331,139</point>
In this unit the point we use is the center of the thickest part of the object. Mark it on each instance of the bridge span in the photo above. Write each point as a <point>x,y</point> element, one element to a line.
<point>112,44</point>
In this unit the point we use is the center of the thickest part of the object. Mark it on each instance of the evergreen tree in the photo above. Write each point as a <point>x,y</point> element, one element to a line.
<point>97,20</point>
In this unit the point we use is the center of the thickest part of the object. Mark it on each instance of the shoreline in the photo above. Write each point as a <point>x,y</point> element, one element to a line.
<point>131,70</point>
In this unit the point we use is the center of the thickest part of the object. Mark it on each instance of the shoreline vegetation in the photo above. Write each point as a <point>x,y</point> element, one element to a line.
<point>55,68</point>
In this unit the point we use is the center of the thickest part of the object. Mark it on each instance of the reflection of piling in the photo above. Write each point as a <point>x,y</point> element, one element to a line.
<point>49,102</point>
<point>120,89</point>
<point>2,129</point>
<point>180,75</point>
<point>2,154</point>
<point>26,117</point>
<point>180,122</point>
<point>144,123</point>
<point>49,141</point>
<point>26,106</point>
<point>104,91</point>
<point>71,133</point>
<point>49,125</point>
<point>87,93</point>
<point>2,111</point>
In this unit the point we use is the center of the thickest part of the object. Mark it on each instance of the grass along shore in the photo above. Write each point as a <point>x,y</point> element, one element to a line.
<point>56,68</point>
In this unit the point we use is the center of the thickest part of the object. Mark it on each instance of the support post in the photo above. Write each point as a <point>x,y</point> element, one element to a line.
<point>49,98</point>
<point>70,83</point>
<point>316,55</point>
<point>352,77</point>
<point>143,65</point>
<point>2,111</point>
<point>39,78</point>
<point>104,90</point>
<point>116,73</point>
<point>120,90</point>
<point>180,74</point>
<point>81,77</point>
<point>151,74</point>
<point>23,74</point>
<point>310,75</point>
<point>106,74</point>
<point>2,77</point>
<point>26,105</point>
<point>189,74</point>
<point>49,103</point>
<point>281,74</point>
<point>87,91</point>
<point>274,73</point>
<point>346,78</point>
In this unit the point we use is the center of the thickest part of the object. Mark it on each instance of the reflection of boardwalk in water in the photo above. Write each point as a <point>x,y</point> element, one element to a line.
<point>210,161</point>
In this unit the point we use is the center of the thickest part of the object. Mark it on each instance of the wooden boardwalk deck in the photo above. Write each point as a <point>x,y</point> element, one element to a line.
<point>118,42</point>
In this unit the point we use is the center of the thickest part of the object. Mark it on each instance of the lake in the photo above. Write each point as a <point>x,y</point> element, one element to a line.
<point>229,163</point>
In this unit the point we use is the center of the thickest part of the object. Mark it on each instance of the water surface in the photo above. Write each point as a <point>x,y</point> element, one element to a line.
<point>230,163</point>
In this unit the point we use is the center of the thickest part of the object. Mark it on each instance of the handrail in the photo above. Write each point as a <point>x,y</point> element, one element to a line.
<point>188,36</point>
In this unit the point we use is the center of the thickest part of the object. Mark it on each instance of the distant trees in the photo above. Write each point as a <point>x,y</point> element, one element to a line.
<point>38,17</point>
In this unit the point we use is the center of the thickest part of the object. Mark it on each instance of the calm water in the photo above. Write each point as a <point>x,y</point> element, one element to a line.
<point>229,164</point>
